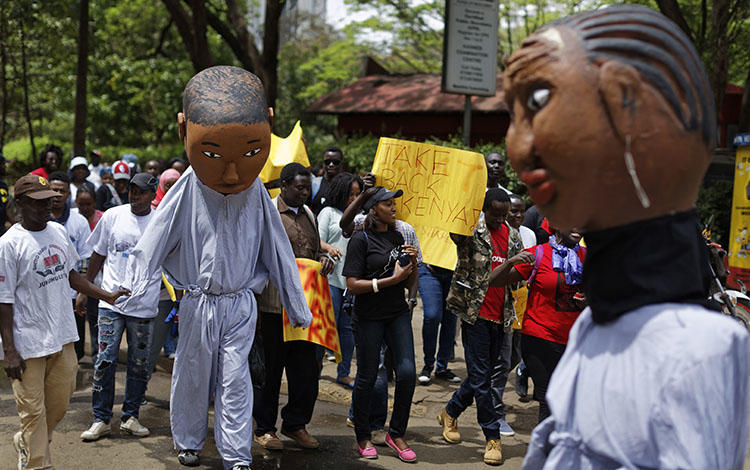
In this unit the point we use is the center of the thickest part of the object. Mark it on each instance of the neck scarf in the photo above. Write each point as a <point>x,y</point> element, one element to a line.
<point>647,262</point>
<point>65,215</point>
<point>566,260</point>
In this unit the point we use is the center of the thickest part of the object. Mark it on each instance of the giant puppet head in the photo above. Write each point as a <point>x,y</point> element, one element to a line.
<point>613,118</point>
<point>225,125</point>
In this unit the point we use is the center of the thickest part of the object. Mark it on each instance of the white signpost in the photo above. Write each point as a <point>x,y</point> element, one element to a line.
<point>470,51</point>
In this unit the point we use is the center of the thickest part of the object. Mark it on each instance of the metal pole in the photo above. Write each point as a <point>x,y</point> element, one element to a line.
<point>467,120</point>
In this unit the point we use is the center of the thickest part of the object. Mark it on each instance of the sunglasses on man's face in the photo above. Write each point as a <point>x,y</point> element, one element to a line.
<point>332,161</point>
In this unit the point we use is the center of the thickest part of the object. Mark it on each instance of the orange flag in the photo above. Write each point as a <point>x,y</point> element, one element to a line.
<point>323,330</point>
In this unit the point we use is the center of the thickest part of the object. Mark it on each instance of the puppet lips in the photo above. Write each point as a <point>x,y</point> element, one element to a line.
<point>541,189</point>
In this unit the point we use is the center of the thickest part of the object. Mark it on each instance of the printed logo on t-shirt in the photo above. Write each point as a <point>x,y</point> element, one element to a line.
<point>124,247</point>
<point>50,261</point>
<point>3,195</point>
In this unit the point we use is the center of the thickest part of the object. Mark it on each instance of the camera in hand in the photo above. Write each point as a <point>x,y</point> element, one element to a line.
<point>404,259</point>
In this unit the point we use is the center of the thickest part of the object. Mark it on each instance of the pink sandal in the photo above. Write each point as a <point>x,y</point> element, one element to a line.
<point>368,452</point>
<point>407,455</point>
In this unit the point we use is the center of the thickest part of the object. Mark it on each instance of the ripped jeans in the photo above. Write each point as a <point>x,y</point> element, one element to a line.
<point>111,327</point>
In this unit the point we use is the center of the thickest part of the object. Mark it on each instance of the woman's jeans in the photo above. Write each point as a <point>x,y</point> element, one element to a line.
<point>139,331</point>
<point>379,400</point>
<point>346,337</point>
<point>434,284</point>
<point>161,332</point>
<point>369,336</point>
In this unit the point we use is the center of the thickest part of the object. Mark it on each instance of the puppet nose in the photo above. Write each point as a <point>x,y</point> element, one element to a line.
<point>230,175</point>
<point>520,142</point>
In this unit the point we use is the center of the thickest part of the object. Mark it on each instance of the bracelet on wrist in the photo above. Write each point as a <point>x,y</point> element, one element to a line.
<point>375,286</point>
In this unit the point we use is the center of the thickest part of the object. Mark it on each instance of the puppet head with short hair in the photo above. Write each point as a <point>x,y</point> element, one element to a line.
<point>613,118</point>
<point>225,125</point>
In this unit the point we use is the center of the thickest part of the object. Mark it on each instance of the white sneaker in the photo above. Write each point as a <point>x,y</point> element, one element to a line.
<point>97,430</point>
<point>132,426</point>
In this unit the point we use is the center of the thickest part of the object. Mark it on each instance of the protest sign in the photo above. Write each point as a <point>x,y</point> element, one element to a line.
<point>739,227</point>
<point>323,330</point>
<point>443,192</point>
<point>284,151</point>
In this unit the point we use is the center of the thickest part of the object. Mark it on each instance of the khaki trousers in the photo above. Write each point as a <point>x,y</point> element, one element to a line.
<point>42,397</point>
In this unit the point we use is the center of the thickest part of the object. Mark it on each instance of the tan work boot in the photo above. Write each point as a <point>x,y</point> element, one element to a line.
<point>302,438</point>
<point>450,427</point>
<point>493,453</point>
<point>269,441</point>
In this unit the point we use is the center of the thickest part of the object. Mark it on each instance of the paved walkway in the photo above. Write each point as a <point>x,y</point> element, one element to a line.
<point>337,448</point>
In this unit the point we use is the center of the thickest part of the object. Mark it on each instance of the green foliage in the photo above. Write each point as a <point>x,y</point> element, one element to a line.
<point>715,207</point>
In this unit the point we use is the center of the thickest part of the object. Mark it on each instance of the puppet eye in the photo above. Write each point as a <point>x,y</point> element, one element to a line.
<point>537,99</point>
<point>211,154</point>
<point>252,153</point>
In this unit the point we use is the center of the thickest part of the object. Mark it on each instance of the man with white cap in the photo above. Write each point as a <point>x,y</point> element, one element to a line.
<point>79,171</point>
<point>37,328</point>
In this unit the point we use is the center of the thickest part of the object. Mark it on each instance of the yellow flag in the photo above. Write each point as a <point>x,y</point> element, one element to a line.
<point>443,192</point>
<point>323,329</point>
<point>283,152</point>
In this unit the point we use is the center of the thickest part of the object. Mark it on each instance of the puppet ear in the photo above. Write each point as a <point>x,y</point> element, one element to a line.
<point>181,126</point>
<point>270,117</point>
<point>620,88</point>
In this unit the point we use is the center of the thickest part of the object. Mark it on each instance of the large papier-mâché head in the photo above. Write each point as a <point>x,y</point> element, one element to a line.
<point>586,91</point>
<point>225,125</point>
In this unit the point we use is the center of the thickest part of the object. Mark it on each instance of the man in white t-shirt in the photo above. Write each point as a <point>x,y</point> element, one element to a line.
<point>78,231</point>
<point>113,239</point>
<point>37,327</point>
<point>95,168</point>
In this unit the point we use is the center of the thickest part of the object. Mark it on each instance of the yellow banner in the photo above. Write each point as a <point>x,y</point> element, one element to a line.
<point>739,229</point>
<point>443,192</point>
<point>283,152</point>
<point>323,330</point>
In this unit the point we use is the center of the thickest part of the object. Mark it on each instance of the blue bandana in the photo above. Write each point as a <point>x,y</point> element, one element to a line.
<point>566,260</point>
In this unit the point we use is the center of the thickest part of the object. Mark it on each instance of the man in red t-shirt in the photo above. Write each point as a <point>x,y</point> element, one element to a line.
<point>483,339</point>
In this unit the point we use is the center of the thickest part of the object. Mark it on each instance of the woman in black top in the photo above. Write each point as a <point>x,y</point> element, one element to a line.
<point>377,279</point>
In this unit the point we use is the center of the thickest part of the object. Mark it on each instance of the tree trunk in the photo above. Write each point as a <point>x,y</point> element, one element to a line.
<point>79,125</point>
<point>744,125</point>
<point>718,46</point>
<point>3,78</point>
<point>197,48</point>
<point>25,83</point>
<point>271,48</point>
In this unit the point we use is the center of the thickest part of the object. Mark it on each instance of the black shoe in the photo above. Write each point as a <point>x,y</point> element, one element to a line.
<point>424,377</point>
<point>447,375</point>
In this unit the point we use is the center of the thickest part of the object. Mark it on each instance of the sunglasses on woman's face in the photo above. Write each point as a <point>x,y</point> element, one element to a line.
<point>332,161</point>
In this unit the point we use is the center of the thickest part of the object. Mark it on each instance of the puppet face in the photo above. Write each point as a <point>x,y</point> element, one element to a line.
<point>572,119</point>
<point>562,158</point>
<point>228,157</point>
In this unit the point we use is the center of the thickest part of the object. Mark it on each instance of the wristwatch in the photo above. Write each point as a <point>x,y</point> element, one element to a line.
<point>412,302</point>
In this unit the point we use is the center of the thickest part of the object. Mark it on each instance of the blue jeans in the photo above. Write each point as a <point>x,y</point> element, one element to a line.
<point>111,327</point>
<point>500,373</point>
<point>369,336</point>
<point>434,284</point>
<point>379,402</point>
<point>483,351</point>
<point>346,337</point>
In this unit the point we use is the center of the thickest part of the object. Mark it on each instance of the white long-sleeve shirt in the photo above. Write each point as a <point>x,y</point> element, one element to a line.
<point>220,245</point>
<point>663,386</point>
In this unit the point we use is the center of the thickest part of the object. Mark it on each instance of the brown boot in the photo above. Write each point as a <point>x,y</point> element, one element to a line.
<point>493,453</point>
<point>450,427</point>
<point>269,441</point>
<point>302,438</point>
